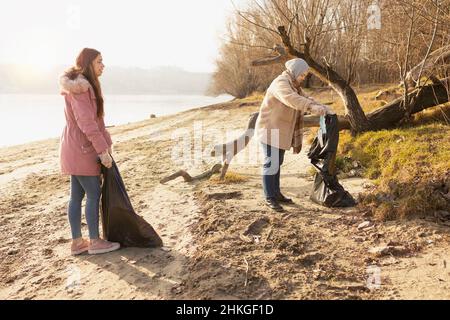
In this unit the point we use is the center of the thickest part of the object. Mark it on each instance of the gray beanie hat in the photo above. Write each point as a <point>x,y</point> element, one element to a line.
<point>297,67</point>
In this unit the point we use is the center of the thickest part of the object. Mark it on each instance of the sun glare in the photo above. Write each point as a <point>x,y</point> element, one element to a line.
<point>38,51</point>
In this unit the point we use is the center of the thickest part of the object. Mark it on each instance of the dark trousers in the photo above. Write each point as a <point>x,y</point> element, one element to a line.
<point>273,159</point>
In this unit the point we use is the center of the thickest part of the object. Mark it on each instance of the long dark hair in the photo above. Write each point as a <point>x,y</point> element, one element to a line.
<point>84,66</point>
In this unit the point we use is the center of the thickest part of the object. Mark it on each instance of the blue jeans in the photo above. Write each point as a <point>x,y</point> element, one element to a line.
<point>273,159</point>
<point>79,186</point>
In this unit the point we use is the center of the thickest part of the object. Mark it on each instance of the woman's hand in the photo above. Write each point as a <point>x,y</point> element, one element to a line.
<point>319,109</point>
<point>106,159</point>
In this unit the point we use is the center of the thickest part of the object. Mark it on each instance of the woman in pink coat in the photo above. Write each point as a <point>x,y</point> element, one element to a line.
<point>83,141</point>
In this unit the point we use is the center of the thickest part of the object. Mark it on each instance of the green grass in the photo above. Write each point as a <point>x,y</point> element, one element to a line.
<point>400,153</point>
<point>410,165</point>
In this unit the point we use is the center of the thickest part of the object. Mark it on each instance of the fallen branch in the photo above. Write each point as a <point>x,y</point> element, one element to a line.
<point>230,149</point>
<point>282,56</point>
<point>422,98</point>
<point>188,178</point>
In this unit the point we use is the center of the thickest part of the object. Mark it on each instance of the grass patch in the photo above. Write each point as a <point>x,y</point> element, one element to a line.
<point>255,97</point>
<point>230,177</point>
<point>411,167</point>
<point>344,164</point>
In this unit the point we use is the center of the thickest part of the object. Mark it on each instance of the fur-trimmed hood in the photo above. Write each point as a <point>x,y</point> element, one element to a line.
<point>76,86</point>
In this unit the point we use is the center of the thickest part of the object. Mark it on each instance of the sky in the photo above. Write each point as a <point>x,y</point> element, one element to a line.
<point>132,33</point>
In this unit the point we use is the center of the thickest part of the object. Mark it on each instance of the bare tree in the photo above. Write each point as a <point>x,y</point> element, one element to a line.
<point>234,74</point>
<point>305,28</point>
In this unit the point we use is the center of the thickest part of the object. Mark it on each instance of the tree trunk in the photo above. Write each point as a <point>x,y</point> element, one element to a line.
<point>353,110</point>
<point>306,83</point>
<point>421,98</point>
<point>354,113</point>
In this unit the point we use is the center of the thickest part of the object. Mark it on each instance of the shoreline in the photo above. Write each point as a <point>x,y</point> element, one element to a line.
<point>124,109</point>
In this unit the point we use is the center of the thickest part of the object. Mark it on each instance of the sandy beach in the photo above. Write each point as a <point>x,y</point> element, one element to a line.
<point>221,242</point>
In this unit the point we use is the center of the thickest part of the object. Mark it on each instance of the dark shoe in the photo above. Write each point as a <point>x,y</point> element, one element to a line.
<point>283,199</point>
<point>274,205</point>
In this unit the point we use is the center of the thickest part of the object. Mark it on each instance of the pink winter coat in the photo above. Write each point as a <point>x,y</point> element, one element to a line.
<point>84,137</point>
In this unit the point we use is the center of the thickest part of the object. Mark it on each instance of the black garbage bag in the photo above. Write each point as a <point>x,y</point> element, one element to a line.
<point>120,222</point>
<point>327,190</point>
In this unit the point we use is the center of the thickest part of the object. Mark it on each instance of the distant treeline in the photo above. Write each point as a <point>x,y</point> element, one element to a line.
<point>115,80</point>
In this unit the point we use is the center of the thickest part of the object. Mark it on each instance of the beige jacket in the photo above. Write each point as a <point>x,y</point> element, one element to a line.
<point>280,120</point>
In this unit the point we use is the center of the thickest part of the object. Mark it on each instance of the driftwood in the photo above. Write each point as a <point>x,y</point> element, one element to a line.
<point>188,178</point>
<point>228,150</point>
<point>420,99</point>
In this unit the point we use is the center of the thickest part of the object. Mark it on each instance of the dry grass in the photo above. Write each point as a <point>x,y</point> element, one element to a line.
<point>230,177</point>
<point>366,96</point>
<point>410,165</point>
<point>255,97</point>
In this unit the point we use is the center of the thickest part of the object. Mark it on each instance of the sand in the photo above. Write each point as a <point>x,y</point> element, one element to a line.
<point>221,242</point>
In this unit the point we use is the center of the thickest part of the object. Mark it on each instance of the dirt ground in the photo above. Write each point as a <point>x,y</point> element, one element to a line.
<point>221,242</point>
